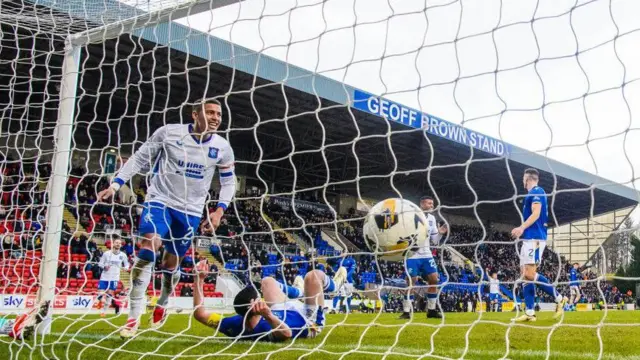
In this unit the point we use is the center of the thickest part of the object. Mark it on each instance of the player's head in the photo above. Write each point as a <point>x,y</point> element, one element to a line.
<point>426,203</point>
<point>117,244</point>
<point>207,115</point>
<point>530,178</point>
<point>576,266</point>
<point>242,301</point>
<point>494,274</point>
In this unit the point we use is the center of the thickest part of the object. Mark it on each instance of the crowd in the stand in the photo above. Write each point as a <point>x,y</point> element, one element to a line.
<point>262,238</point>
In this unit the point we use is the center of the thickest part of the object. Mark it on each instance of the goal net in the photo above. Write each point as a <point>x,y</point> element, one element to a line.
<point>329,107</point>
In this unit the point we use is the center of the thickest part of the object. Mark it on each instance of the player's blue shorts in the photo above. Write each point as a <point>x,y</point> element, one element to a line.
<point>493,297</point>
<point>421,267</point>
<point>107,285</point>
<point>174,227</point>
<point>234,326</point>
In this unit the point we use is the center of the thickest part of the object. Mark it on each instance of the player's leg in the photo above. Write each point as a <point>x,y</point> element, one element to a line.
<point>429,268</point>
<point>183,226</point>
<point>544,283</point>
<point>336,300</point>
<point>102,288</point>
<point>577,298</point>
<point>293,292</point>
<point>528,275</point>
<point>413,270</point>
<point>347,299</point>
<point>154,224</point>
<point>572,295</point>
<point>272,291</point>
<point>316,284</point>
<point>104,303</point>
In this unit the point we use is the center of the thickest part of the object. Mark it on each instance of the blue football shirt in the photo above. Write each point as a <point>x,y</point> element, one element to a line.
<point>538,230</point>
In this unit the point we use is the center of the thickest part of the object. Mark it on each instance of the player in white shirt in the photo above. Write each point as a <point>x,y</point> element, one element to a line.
<point>494,292</point>
<point>183,160</point>
<point>111,262</point>
<point>422,265</point>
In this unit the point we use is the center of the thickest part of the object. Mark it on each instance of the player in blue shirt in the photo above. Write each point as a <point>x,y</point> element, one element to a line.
<point>533,234</point>
<point>274,317</point>
<point>574,285</point>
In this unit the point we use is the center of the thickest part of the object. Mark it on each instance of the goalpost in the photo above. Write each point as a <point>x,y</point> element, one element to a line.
<point>33,139</point>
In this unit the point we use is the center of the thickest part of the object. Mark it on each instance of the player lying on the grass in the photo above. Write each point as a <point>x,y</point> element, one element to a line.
<point>111,262</point>
<point>422,265</point>
<point>533,233</point>
<point>277,316</point>
<point>183,159</point>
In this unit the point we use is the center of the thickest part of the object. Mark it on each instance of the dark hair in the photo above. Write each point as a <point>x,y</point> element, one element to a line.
<point>493,272</point>
<point>197,107</point>
<point>242,301</point>
<point>576,264</point>
<point>532,172</point>
<point>426,198</point>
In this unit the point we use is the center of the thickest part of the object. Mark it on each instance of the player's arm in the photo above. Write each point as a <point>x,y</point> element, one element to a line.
<point>227,188</point>
<point>227,179</point>
<point>102,262</point>
<point>437,232</point>
<point>125,263</point>
<point>140,160</point>
<point>281,331</point>
<point>535,215</point>
<point>536,208</point>
<point>200,313</point>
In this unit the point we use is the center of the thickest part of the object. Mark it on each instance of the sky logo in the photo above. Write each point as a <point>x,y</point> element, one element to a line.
<point>13,301</point>
<point>81,302</point>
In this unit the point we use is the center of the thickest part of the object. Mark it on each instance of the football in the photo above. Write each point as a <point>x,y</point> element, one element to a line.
<point>393,226</point>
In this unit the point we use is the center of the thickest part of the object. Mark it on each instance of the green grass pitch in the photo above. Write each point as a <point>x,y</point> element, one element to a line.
<point>357,336</point>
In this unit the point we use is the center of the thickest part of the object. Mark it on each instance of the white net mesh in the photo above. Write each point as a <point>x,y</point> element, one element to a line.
<point>325,106</point>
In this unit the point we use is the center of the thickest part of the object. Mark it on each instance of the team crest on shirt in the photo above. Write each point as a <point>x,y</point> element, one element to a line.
<point>213,152</point>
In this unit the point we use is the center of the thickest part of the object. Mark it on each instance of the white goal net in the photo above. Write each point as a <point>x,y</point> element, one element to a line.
<point>329,107</point>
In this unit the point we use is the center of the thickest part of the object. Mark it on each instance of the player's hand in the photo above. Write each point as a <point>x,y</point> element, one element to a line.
<point>261,308</point>
<point>443,229</point>
<point>106,194</point>
<point>517,232</point>
<point>202,268</point>
<point>214,220</point>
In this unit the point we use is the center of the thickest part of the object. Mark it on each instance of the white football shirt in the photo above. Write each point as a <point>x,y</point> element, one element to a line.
<point>494,286</point>
<point>424,248</point>
<point>115,262</point>
<point>182,167</point>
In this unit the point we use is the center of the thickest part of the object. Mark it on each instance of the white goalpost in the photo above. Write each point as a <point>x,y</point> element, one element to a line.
<point>330,107</point>
<point>63,132</point>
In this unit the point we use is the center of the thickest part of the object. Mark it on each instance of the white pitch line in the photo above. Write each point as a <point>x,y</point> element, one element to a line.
<point>369,348</point>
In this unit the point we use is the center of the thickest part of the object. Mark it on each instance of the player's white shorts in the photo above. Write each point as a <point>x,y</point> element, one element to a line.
<point>291,305</point>
<point>346,290</point>
<point>531,251</point>
<point>575,290</point>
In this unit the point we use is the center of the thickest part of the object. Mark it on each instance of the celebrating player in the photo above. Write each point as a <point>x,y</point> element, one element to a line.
<point>574,285</point>
<point>533,233</point>
<point>275,317</point>
<point>494,292</point>
<point>422,265</point>
<point>111,262</point>
<point>183,159</point>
